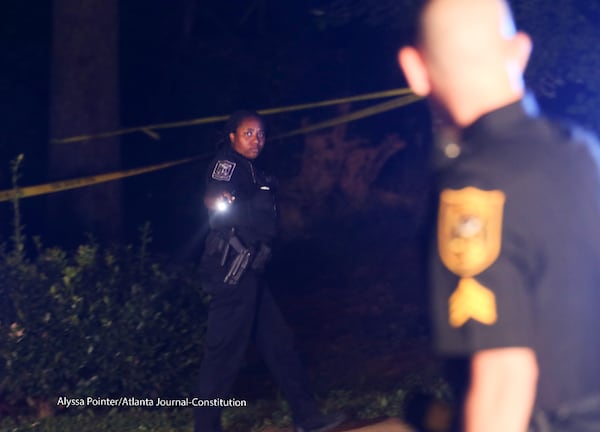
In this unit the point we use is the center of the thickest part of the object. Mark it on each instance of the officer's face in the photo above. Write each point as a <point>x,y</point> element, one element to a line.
<point>249,138</point>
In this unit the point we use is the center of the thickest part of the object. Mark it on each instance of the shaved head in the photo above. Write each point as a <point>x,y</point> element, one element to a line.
<point>471,31</point>
<point>468,57</point>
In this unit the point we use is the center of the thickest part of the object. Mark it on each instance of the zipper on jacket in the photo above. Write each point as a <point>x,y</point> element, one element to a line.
<point>252,172</point>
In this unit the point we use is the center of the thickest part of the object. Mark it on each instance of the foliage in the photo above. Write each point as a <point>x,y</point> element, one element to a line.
<point>18,228</point>
<point>96,322</point>
<point>337,178</point>
<point>122,421</point>
<point>101,322</point>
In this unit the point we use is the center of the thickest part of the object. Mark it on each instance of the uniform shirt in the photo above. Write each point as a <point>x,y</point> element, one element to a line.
<point>253,213</point>
<point>516,262</point>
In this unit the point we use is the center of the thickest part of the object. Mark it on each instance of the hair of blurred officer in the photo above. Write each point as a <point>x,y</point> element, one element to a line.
<point>468,57</point>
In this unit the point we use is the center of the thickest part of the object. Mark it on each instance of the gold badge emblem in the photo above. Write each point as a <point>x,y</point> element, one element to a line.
<point>469,241</point>
<point>471,300</point>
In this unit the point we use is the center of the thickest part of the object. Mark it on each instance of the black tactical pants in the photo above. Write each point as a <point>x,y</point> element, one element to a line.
<point>238,314</point>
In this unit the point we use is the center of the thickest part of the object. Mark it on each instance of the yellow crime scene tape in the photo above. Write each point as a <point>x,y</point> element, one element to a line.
<point>59,186</point>
<point>48,188</point>
<point>148,129</point>
<point>356,115</point>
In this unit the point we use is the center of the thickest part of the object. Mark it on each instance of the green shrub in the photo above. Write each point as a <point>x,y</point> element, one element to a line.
<point>122,421</point>
<point>97,322</point>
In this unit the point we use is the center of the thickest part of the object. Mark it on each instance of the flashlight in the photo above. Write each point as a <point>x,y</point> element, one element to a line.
<point>222,205</point>
<point>223,202</point>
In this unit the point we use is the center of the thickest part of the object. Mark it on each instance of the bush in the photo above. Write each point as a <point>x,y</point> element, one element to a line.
<point>97,322</point>
<point>123,421</point>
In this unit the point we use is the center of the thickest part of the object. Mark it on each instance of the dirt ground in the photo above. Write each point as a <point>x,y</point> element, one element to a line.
<point>357,306</point>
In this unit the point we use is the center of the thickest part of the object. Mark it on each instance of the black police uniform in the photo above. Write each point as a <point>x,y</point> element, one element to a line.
<point>517,254</point>
<point>244,311</point>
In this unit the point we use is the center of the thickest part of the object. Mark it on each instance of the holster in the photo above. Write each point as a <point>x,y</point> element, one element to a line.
<point>240,261</point>
<point>237,256</point>
<point>215,243</point>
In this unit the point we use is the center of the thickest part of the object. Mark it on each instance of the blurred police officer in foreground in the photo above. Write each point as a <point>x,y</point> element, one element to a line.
<point>243,220</point>
<point>516,264</point>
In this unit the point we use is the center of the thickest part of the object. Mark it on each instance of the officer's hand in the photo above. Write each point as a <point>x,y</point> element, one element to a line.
<point>220,202</point>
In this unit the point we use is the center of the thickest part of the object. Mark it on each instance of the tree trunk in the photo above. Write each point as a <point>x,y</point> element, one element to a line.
<point>84,100</point>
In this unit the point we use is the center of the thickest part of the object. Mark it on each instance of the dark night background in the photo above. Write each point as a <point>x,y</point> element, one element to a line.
<point>191,59</point>
<point>182,59</point>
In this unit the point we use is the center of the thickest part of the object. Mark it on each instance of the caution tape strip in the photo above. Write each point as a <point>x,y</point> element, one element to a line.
<point>356,115</point>
<point>59,186</point>
<point>148,129</point>
<point>48,188</point>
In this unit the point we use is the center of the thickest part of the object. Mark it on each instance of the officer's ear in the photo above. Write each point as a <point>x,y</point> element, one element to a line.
<point>522,47</point>
<point>231,137</point>
<point>415,71</point>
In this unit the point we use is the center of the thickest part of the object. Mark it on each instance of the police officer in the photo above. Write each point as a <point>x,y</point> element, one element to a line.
<point>243,220</point>
<point>515,268</point>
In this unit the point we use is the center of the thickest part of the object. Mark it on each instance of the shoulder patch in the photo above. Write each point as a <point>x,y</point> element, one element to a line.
<point>223,170</point>
<point>469,241</point>
<point>470,229</point>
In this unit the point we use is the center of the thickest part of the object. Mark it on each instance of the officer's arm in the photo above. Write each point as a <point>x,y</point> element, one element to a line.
<point>502,390</point>
<point>213,197</point>
<point>232,191</point>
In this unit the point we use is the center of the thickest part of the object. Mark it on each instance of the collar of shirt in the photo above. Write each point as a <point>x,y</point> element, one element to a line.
<point>502,121</point>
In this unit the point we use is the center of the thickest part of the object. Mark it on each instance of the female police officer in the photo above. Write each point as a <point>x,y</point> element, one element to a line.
<point>243,222</point>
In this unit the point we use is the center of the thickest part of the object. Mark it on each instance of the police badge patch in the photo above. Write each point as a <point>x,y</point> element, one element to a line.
<point>469,241</point>
<point>223,170</point>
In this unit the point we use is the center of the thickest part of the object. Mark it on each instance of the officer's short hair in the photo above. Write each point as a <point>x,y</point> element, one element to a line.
<point>236,118</point>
